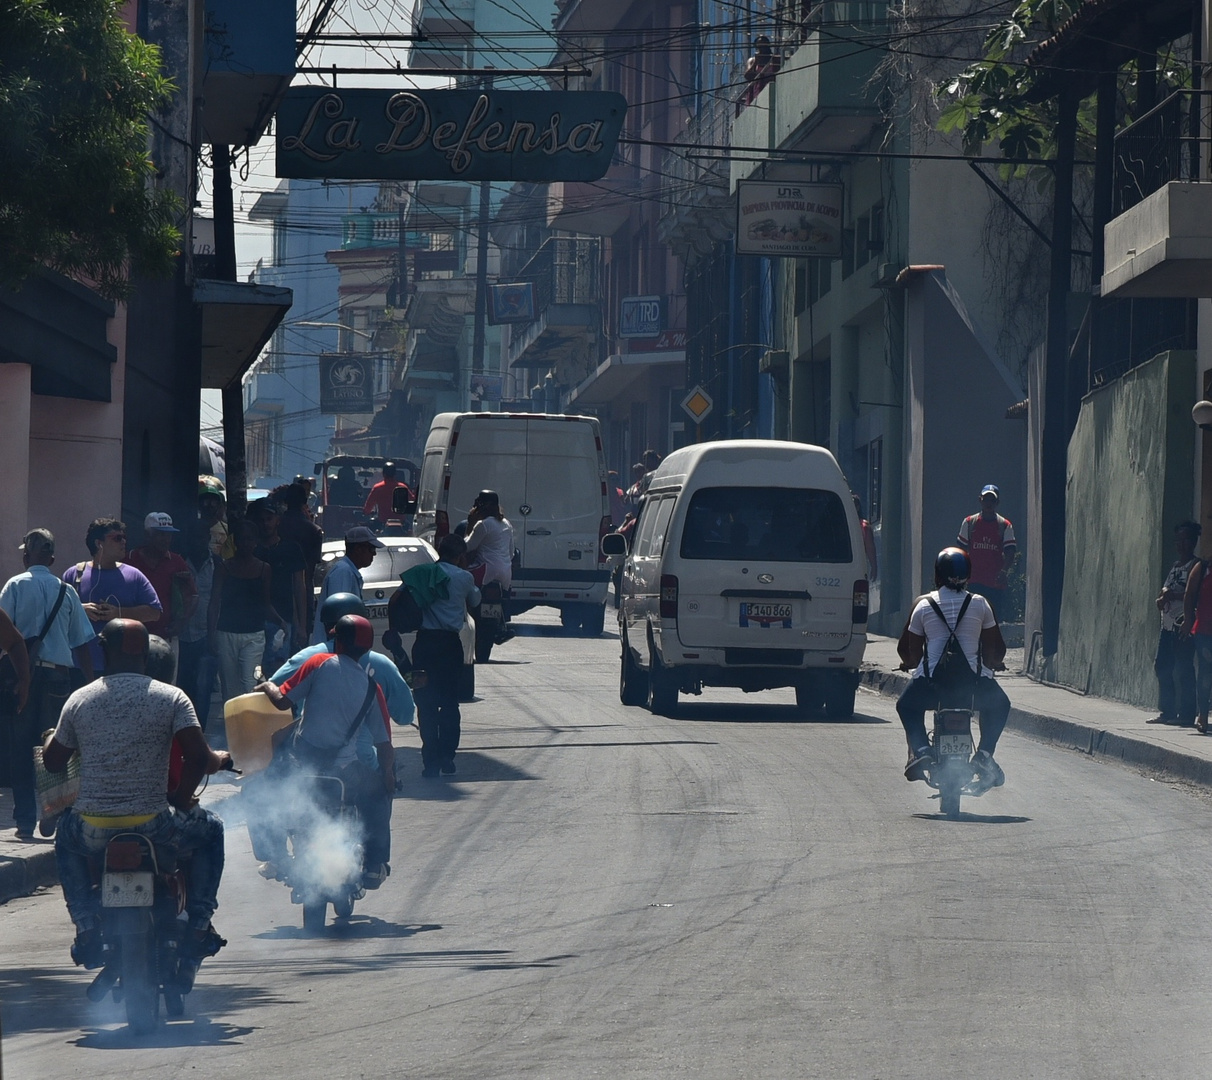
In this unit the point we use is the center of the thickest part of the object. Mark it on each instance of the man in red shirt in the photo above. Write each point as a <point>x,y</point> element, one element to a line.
<point>169,575</point>
<point>378,502</point>
<point>988,538</point>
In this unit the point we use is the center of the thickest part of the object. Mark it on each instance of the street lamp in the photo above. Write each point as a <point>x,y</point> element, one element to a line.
<point>1201,413</point>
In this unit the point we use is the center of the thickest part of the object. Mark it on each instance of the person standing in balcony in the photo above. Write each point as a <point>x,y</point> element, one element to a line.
<point>760,68</point>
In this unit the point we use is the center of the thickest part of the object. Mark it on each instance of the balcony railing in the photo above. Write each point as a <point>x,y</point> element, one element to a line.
<point>565,270</point>
<point>1165,144</point>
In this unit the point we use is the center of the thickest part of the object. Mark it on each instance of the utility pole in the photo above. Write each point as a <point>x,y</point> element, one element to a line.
<point>234,457</point>
<point>478,333</point>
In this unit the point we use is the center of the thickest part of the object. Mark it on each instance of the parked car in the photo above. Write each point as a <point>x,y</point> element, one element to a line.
<point>747,570</point>
<point>550,472</point>
<point>382,577</point>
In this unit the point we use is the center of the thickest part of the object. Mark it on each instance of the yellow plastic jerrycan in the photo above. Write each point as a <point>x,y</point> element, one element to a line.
<point>251,721</point>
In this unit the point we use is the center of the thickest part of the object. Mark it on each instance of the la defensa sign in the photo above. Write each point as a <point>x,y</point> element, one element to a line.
<point>365,134</point>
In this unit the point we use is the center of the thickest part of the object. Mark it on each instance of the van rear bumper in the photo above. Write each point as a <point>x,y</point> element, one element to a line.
<point>690,677</point>
<point>554,588</point>
<point>741,667</point>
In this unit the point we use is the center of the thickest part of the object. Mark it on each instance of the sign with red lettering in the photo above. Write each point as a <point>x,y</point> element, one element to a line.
<point>788,219</point>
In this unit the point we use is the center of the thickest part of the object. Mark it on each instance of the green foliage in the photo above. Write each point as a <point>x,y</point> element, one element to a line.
<point>76,182</point>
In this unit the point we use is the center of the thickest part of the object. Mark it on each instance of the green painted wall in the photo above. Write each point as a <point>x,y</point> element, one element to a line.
<point>1130,481</point>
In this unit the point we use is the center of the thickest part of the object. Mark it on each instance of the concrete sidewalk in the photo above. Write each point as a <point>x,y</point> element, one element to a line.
<point>1052,714</point>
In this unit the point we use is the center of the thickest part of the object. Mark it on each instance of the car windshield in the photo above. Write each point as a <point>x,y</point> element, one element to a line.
<point>772,524</point>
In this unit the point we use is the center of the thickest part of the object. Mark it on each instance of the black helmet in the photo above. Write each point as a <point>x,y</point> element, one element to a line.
<point>952,568</point>
<point>338,604</point>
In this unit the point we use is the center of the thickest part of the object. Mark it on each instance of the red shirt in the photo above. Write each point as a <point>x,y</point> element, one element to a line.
<point>162,577</point>
<point>987,543</point>
<point>378,502</point>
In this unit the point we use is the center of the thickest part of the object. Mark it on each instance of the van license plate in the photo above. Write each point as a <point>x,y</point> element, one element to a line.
<point>127,890</point>
<point>491,611</point>
<point>766,615</point>
<point>951,745</point>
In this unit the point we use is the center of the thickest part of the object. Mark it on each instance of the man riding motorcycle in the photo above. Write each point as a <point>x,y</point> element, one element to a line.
<point>123,726</point>
<point>339,698</point>
<point>935,617</point>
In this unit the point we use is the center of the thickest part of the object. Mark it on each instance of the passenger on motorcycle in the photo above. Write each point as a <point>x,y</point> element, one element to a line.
<point>921,646</point>
<point>123,726</point>
<point>490,541</point>
<point>381,668</point>
<point>335,693</point>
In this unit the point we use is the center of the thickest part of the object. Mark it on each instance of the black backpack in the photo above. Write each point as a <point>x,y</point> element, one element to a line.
<point>404,614</point>
<point>952,674</point>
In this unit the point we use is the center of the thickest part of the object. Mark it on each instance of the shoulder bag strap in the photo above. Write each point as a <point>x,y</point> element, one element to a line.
<point>53,612</point>
<point>371,691</point>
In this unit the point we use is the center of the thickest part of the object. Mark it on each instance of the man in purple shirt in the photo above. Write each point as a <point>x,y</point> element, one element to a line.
<point>108,587</point>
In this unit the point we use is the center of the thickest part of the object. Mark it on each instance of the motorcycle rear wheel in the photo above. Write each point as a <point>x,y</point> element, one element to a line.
<point>343,909</point>
<point>140,991</point>
<point>313,916</point>
<point>174,1004</point>
<point>949,801</point>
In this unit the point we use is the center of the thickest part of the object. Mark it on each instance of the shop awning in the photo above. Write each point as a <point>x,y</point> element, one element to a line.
<point>617,373</point>
<point>238,319</point>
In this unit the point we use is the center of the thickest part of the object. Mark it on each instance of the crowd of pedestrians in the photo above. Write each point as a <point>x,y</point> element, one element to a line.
<point>228,598</point>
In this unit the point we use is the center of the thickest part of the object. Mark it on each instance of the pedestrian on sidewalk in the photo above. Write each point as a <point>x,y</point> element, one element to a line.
<point>988,538</point>
<point>170,576</point>
<point>1197,625</point>
<point>50,617</point>
<point>1174,661</point>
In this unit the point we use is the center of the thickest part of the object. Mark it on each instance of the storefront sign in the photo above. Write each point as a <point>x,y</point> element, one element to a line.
<point>642,316</point>
<point>512,303</point>
<point>666,341</point>
<point>365,134</point>
<point>789,219</point>
<point>346,383</point>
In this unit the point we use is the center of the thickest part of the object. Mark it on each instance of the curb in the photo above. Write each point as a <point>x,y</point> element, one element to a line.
<point>1071,735</point>
<point>21,876</point>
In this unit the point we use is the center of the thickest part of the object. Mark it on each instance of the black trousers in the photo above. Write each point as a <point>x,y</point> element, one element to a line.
<point>21,732</point>
<point>1175,667</point>
<point>920,695</point>
<point>439,653</point>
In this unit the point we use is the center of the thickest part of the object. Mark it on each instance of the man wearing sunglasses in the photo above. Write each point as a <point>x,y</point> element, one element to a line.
<point>109,587</point>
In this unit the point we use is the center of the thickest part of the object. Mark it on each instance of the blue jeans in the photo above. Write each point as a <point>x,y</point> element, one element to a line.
<point>1174,664</point>
<point>196,837</point>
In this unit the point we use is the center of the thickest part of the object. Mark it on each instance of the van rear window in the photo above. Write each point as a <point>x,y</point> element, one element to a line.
<point>773,524</point>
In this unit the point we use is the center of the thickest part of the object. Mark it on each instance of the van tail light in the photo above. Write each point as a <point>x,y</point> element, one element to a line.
<point>858,609</point>
<point>603,529</point>
<point>669,597</point>
<point>441,527</point>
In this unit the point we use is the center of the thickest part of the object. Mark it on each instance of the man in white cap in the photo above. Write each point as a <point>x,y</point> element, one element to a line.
<point>345,574</point>
<point>51,618</point>
<point>170,576</point>
<point>988,538</point>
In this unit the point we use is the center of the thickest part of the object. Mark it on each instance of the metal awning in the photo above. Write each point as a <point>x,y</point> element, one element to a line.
<point>238,319</point>
<point>618,372</point>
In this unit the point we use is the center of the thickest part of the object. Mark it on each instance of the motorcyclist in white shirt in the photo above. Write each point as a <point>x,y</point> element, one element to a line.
<point>489,541</point>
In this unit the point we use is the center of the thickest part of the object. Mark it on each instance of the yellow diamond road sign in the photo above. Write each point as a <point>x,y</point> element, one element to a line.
<point>698,404</point>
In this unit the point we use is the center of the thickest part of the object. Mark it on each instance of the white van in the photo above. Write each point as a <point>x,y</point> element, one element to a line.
<point>550,471</point>
<point>746,569</point>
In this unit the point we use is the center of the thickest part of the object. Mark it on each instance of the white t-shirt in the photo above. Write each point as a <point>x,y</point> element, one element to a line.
<point>925,623</point>
<point>123,725</point>
<point>491,542</point>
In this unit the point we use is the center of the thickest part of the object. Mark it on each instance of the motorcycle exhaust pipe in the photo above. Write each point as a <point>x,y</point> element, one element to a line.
<point>101,985</point>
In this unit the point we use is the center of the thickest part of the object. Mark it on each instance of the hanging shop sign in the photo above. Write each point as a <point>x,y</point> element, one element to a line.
<point>346,383</point>
<point>365,134</point>
<point>788,219</point>
<point>511,303</point>
<point>641,316</point>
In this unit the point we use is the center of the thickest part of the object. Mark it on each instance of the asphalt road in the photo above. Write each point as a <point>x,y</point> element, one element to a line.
<point>732,893</point>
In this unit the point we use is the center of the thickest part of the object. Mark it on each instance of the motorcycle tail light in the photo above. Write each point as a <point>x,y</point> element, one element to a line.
<point>669,596</point>
<point>858,602</point>
<point>441,526</point>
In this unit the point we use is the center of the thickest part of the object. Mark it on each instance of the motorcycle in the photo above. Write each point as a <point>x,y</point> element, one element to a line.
<point>491,621</point>
<point>952,773</point>
<point>325,865</point>
<point>143,928</point>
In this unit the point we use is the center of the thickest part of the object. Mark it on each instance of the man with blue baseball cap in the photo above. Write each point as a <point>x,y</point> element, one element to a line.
<point>988,538</point>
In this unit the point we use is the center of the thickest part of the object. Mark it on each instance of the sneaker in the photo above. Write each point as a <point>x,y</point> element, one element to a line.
<point>448,766</point>
<point>920,761</point>
<point>203,941</point>
<point>25,832</point>
<point>429,772</point>
<point>87,950</point>
<point>1162,719</point>
<point>989,770</point>
<point>372,879</point>
<point>269,871</point>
